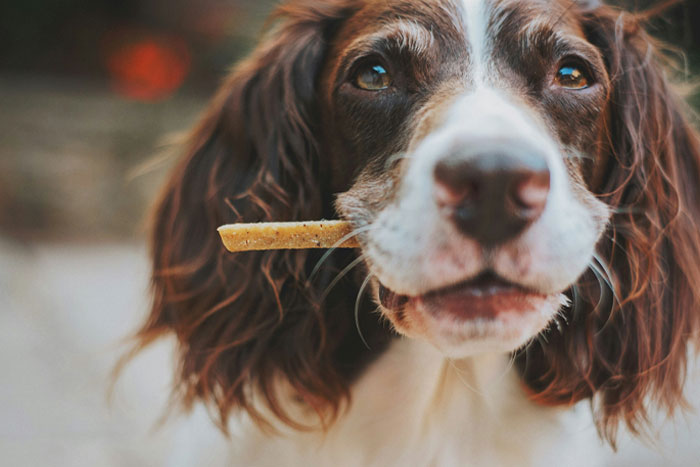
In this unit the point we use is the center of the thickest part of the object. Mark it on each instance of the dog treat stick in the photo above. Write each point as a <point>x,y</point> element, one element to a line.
<point>287,235</point>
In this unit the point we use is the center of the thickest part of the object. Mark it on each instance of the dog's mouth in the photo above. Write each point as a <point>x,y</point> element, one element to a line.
<point>484,296</point>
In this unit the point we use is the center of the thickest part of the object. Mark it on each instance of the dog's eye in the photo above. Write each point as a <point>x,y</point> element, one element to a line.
<point>572,77</point>
<point>372,77</point>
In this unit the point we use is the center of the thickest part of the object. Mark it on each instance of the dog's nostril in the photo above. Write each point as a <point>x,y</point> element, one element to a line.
<point>493,196</point>
<point>456,194</point>
<point>529,194</point>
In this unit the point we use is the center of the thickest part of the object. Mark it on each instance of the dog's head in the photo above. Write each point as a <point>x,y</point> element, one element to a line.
<point>477,124</point>
<point>521,179</point>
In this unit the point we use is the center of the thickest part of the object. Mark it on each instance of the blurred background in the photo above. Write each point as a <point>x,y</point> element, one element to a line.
<point>93,93</point>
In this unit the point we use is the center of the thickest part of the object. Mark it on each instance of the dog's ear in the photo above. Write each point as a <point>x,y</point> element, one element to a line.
<point>247,323</point>
<point>627,347</point>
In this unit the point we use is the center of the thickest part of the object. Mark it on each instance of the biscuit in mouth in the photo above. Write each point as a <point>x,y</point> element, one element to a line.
<point>288,235</point>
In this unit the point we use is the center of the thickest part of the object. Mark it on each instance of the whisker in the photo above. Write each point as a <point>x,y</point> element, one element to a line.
<point>357,309</point>
<point>335,246</point>
<point>525,349</point>
<point>626,210</point>
<point>576,302</point>
<point>460,376</point>
<point>509,366</point>
<point>557,320</point>
<point>577,155</point>
<point>610,280</point>
<point>612,289</point>
<point>600,278</point>
<point>340,275</point>
<point>602,282</point>
<point>613,239</point>
<point>395,158</point>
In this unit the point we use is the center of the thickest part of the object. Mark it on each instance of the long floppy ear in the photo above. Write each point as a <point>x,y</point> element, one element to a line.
<point>249,322</point>
<point>625,343</point>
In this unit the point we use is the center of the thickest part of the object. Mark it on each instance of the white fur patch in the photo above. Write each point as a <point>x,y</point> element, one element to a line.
<point>476,20</point>
<point>414,407</point>
<point>414,248</point>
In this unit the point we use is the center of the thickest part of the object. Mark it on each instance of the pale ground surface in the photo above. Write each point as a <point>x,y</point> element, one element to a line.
<point>63,310</point>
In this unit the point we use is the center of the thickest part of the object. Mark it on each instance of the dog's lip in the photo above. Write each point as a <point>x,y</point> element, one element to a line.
<point>483,295</point>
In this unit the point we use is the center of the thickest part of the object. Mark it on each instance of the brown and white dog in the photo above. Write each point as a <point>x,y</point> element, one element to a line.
<point>526,191</point>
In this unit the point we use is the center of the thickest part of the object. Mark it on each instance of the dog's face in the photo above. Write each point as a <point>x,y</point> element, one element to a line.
<point>474,210</point>
<point>485,151</point>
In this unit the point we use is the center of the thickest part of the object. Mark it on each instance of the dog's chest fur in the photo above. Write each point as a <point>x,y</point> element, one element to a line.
<point>414,408</point>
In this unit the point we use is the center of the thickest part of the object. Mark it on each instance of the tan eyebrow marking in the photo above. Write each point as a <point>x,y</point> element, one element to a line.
<point>406,34</point>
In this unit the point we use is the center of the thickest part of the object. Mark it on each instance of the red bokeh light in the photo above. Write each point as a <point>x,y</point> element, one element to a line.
<point>150,68</point>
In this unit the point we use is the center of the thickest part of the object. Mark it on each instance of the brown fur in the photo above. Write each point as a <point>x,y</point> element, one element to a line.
<point>625,353</point>
<point>262,152</point>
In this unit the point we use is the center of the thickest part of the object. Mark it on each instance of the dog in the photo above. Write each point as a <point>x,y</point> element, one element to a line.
<point>524,185</point>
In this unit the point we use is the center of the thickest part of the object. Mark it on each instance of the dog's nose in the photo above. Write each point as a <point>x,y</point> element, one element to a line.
<point>492,197</point>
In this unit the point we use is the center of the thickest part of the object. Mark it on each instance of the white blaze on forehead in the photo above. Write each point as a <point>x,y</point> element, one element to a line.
<point>476,21</point>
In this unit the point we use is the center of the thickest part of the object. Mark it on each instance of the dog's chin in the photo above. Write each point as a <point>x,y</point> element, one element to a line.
<point>483,315</point>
